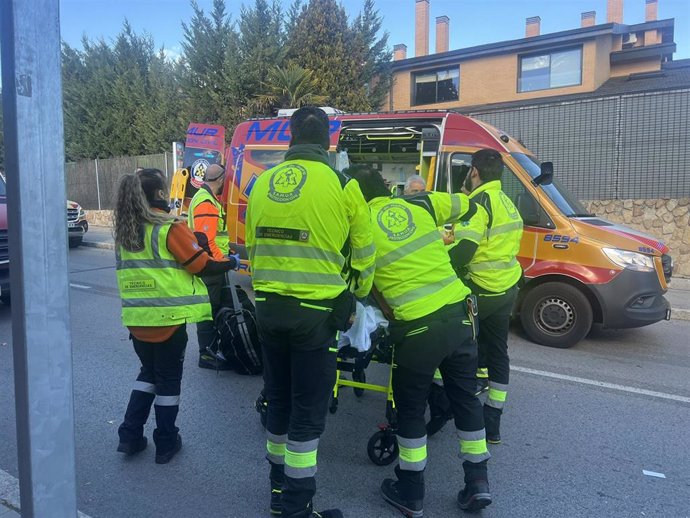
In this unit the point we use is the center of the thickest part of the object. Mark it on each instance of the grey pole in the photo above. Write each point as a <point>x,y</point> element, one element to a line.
<point>98,185</point>
<point>34,155</point>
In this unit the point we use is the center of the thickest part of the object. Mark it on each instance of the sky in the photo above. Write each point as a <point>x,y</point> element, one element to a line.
<point>472,22</point>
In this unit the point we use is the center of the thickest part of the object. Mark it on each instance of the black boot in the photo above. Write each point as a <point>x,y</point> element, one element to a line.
<point>405,494</point>
<point>310,513</point>
<point>132,447</point>
<point>163,457</point>
<point>277,477</point>
<point>475,496</point>
<point>492,424</point>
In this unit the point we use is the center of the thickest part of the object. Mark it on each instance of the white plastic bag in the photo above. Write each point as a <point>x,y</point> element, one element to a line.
<point>367,320</point>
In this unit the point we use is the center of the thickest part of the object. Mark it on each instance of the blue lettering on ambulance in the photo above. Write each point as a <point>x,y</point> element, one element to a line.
<point>278,130</point>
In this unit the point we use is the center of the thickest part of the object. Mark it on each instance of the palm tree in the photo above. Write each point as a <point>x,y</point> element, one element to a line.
<point>289,87</point>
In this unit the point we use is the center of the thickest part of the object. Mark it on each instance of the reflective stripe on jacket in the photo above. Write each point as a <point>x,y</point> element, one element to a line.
<point>201,196</point>
<point>308,232</point>
<point>155,289</point>
<point>497,229</point>
<point>413,270</point>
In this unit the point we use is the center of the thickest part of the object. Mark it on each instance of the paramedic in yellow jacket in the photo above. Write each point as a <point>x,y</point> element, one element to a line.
<point>485,257</point>
<point>309,241</point>
<point>432,329</point>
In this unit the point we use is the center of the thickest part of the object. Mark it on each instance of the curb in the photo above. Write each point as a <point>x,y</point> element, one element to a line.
<point>98,244</point>
<point>680,314</point>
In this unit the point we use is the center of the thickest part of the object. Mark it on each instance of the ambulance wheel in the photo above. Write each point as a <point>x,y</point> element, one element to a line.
<point>556,314</point>
<point>383,448</point>
<point>361,377</point>
<point>333,407</point>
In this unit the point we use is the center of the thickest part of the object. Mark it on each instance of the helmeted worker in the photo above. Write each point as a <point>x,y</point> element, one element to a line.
<point>432,330</point>
<point>207,219</point>
<point>157,259</point>
<point>486,256</point>
<point>304,221</point>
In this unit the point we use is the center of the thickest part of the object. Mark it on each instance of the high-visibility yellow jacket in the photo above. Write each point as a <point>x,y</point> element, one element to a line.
<point>155,289</point>
<point>413,270</point>
<point>201,196</point>
<point>308,231</point>
<point>497,230</point>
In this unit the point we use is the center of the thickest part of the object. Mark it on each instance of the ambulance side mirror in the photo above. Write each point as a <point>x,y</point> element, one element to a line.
<point>546,174</point>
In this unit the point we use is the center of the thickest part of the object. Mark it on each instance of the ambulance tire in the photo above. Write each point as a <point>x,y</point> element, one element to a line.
<point>556,314</point>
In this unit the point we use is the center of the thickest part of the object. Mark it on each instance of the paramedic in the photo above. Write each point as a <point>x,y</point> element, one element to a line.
<point>303,221</point>
<point>157,258</point>
<point>414,184</point>
<point>208,222</point>
<point>433,329</point>
<point>485,257</point>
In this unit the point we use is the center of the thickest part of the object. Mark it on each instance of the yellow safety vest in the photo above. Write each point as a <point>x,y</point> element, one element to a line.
<point>155,289</point>
<point>497,230</point>
<point>413,270</point>
<point>201,196</point>
<point>304,220</point>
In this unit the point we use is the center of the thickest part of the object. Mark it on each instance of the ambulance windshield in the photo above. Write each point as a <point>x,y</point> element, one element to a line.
<point>568,204</point>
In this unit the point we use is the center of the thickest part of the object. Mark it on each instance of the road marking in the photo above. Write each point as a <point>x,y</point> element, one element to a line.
<point>602,384</point>
<point>80,286</point>
<point>653,474</point>
<point>9,494</point>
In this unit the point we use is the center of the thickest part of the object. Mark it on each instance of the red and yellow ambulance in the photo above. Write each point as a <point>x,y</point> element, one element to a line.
<point>579,268</point>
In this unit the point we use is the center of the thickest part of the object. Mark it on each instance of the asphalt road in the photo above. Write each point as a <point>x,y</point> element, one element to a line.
<point>571,448</point>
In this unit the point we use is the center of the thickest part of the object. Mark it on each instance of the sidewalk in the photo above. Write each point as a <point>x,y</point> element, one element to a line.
<point>678,294</point>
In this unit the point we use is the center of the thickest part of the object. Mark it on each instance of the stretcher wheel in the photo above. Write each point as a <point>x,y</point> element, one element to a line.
<point>383,448</point>
<point>333,407</point>
<point>361,377</point>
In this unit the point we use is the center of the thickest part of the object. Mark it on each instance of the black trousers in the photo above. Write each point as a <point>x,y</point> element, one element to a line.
<point>494,324</point>
<point>206,331</point>
<point>298,344</point>
<point>443,340</point>
<point>158,383</point>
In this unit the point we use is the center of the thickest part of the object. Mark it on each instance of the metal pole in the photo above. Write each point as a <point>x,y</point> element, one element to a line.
<point>98,185</point>
<point>34,154</point>
<point>165,156</point>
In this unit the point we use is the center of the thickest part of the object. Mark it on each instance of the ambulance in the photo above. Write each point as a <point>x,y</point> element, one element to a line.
<point>579,269</point>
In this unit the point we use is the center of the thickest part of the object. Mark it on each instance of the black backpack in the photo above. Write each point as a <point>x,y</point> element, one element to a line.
<point>238,340</point>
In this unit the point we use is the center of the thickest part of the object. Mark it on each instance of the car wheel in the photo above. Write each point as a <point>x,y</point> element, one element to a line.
<point>75,242</point>
<point>556,314</point>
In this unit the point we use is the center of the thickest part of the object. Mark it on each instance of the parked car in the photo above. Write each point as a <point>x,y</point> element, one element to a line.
<point>77,225</point>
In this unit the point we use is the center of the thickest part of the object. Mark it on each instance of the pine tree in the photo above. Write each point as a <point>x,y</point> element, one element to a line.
<point>260,45</point>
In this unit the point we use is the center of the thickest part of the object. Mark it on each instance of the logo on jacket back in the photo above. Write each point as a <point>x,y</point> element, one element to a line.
<point>396,221</point>
<point>286,183</point>
<point>509,206</point>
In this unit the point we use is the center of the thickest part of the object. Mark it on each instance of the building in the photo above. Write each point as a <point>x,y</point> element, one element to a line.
<point>537,66</point>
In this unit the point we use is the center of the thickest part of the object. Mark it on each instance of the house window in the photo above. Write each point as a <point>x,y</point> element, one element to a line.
<point>437,86</point>
<point>552,70</point>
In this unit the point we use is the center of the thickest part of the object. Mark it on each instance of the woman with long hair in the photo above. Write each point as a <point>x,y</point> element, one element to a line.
<point>158,258</point>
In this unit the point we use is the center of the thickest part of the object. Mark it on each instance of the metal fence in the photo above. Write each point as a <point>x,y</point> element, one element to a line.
<point>621,147</point>
<point>93,183</point>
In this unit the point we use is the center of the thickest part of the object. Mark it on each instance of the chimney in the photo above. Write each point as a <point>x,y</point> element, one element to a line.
<point>399,52</point>
<point>589,19</point>
<point>421,28</point>
<point>651,10</point>
<point>442,33</point>
<point>614,11</point>
<point>532,26</point>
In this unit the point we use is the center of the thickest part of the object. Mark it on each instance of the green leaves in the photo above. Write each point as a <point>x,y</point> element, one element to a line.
<point>127,98</point>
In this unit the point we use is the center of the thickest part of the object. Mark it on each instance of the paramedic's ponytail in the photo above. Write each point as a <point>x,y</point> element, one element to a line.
<point>133,207</point>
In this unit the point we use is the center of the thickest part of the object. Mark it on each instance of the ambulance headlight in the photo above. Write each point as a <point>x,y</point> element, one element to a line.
<point>630,260</point>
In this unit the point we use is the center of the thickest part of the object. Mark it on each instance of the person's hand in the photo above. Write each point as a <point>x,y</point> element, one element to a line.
<point>236,257</point>
<point>448,238</point>
<point>464,191</point>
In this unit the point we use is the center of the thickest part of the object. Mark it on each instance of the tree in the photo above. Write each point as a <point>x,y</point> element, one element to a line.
<point>289,87</point>
<point>208,87</point>
<point>260,45</point>
<point>349,62</point>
